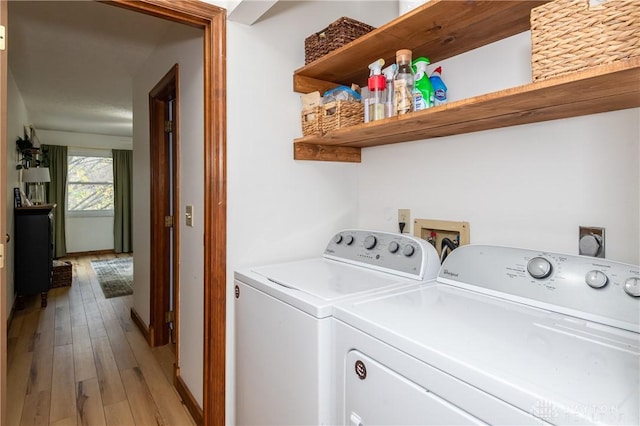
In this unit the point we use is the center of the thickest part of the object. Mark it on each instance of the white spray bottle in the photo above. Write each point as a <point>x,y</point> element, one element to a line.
<point>390,74</point>
<point>377,91</point>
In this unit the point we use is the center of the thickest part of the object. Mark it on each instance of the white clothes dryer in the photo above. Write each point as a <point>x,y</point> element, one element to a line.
<point>503,336</point>
<point>284,326</point>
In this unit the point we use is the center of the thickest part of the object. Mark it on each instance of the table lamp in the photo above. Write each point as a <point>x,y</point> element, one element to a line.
<point>35,178</point>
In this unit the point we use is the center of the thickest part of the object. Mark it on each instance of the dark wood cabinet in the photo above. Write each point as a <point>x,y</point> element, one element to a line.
<point>33,256</point>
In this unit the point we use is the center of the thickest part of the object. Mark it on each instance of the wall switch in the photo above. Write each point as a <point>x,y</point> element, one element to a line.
<point>188,213</point>
<point>404,216</point>
<point>591,241</point>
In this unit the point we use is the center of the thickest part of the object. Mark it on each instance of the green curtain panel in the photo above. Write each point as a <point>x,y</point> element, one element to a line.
<point>123,200</point>
<point>57,158</point>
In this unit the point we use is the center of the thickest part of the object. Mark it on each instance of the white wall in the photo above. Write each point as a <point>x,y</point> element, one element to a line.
<point>526,186</point>
<point>16,120</point>
<point>278,208</point>
<point>85,234</point>
<point>184,46</point>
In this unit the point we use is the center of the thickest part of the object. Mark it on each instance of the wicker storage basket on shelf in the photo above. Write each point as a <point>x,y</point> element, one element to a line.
<point>312,121</point>
<point>570,35</point>
<point>339,114</point>
<point>62,274</point>
<point>336,35</point>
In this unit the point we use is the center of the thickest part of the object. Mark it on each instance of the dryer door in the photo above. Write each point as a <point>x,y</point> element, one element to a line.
<point>376,395</point>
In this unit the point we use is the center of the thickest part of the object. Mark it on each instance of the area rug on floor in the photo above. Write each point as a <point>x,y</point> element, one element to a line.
<point>115,276</point>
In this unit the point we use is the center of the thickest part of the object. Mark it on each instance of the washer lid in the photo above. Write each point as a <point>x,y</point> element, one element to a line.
<point>315,285</point>
<point>327,280</point>
<point>562,369</point>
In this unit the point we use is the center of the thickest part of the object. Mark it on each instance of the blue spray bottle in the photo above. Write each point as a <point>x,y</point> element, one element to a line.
<point>439,88</point>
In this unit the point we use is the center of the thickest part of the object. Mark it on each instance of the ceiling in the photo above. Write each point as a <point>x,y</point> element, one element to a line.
<point>73,62</point>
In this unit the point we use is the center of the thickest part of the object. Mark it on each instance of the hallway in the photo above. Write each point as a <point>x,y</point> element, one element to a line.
<point>82,361</point>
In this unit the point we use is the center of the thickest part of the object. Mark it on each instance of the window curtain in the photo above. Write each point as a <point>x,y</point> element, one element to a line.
<point>122,200</point>
<point>57,159</point>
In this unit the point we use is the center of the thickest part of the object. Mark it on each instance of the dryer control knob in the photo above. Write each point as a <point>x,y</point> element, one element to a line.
<point>632,287</point>
<point>370,242</point>
<point>596,279</point>
<point>408,250</point>
<point>348,240</point>
<point>539,268</point>
<point>393,247</point>
<point>337,239</point>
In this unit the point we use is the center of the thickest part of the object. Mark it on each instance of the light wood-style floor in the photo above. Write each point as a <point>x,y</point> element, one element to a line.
<point>82,361</point>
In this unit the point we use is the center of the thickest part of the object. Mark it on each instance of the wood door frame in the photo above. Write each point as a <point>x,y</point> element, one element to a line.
<point>3,222</point>
<point>212,20</point>
<point>161,186</point>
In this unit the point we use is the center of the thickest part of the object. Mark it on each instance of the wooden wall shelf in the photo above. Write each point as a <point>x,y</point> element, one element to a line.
<point>447,28</point>
<point>599,89</point>
<point>438,29</point>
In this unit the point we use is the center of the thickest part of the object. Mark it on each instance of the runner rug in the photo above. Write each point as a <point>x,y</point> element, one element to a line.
<point>115,276</point>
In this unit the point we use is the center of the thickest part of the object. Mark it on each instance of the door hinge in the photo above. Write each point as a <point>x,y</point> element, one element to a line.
<point>168,221</point>
<point>168,126</point>
<point>169,317</point>
<point>1,255</point>
<point>3,43</point>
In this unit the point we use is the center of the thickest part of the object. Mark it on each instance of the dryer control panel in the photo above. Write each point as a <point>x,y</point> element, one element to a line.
<point>585,287</point>
<point>399,254</point>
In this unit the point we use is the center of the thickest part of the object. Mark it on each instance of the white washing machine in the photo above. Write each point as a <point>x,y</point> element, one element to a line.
<point>503,336</point>
<point>284,327</point>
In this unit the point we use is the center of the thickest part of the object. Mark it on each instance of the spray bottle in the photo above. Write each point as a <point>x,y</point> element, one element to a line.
<point>423,96</point>
<point>377,91</point>
<point>389,74</point>
<point>439,88</point>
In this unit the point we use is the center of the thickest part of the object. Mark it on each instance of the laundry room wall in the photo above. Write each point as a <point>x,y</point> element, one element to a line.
<point>279,209</point>
<point>526,186</point>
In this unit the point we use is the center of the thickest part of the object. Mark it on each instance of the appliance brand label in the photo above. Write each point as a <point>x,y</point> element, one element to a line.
<point>449,273</point>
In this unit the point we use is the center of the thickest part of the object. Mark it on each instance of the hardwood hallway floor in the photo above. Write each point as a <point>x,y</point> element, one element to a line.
<point>82,361</point>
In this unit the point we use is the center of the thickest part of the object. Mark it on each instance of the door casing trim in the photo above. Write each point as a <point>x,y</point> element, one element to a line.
<point>212,20</point>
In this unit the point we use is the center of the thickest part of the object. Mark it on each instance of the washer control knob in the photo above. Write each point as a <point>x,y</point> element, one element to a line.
<point>337,239</point>
<point>632,287</point>
<point>539,268</point>
<point>393,247</point>
<point>596,279</point>
<point>408,250</point>
<point>348,240</point>
<point>370,242</point>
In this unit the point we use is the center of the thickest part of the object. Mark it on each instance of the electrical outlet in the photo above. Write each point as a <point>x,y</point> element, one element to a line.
<point>404,216</point>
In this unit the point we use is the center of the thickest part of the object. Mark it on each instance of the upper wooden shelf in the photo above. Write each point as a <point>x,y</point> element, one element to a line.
<point>438,29</point>
<point>598,89</point>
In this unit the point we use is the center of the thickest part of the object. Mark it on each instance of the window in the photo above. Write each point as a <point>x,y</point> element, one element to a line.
<point>90,184</point>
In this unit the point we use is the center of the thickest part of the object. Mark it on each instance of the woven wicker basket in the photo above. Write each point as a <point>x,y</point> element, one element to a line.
<point>570,35</point>
<point>311,120</point>
<point>336,35</point>
<point>62,274</point>
<point>339,114</point>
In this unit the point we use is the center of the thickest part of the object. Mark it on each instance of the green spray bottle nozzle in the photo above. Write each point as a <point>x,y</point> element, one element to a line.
<point>420,64</point>
<point>376,67</point>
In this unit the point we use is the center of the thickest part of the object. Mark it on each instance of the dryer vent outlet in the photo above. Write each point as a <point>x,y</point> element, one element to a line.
<point>591,241</point>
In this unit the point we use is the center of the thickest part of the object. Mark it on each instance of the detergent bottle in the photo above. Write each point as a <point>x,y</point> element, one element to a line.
<point>423,94</point>
<point>377,91</point>
<point>439,88</point>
